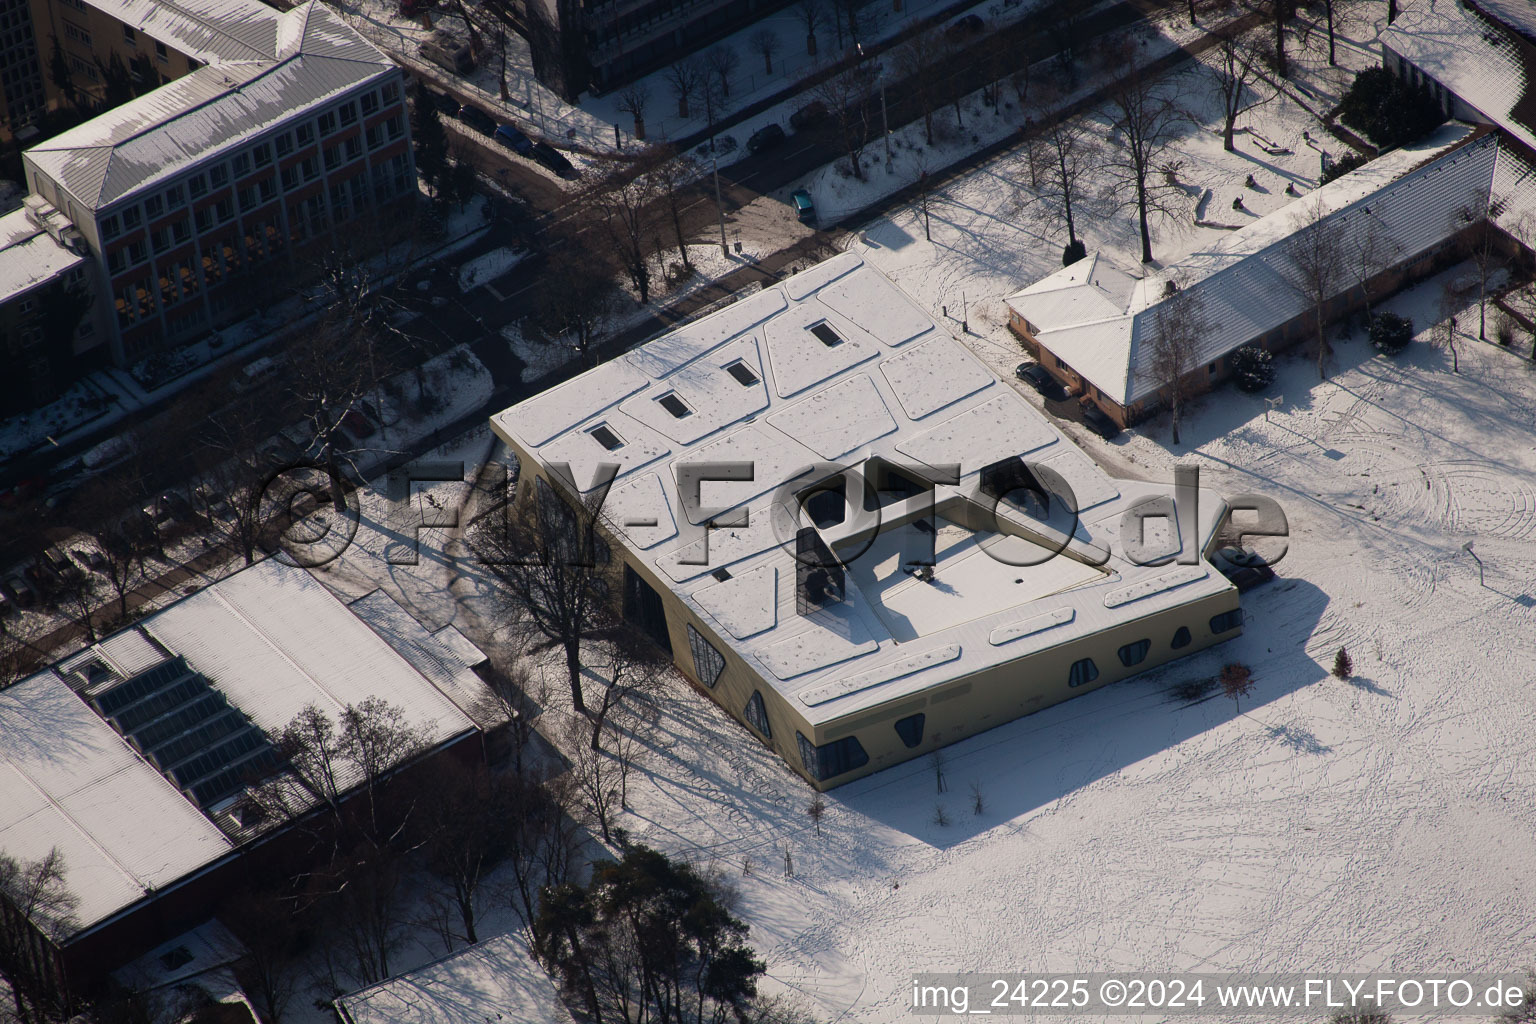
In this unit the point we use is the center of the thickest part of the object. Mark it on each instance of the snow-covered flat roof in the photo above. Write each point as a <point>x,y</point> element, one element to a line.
<point>492,981</point>
<point>68,781</point>
<point>263,67</point>
<point>30,256</point>
<point>838,365</point>
<point>1474,56</point>
<point>1407,199</point>
<point>271,639</point>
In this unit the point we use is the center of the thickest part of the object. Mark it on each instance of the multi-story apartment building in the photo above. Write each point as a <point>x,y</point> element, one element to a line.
<point>277,128</point>
<point>601,44</point>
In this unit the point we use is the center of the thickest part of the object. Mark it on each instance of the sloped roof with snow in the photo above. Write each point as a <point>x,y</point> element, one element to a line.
<point>821,372</point>
<point>263,67</point>
<point>1474,56</point>
<point>1402,203</point>
<point>271,639</point>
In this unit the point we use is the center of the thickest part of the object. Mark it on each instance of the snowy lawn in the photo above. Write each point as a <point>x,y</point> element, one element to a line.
<point>488,267</point>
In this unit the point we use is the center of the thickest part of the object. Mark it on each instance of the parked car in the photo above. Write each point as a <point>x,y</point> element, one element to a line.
<point>89,558</point>
<point>442,49</point>
<point>1097,421</point>
<point>805,206</point>
<point>970,25</point>
<point>477,119</point>
<point>1039,378</point>
<point>444,103</point>
<point>7,606</point>
<point>516,141</point>
<point>19,590</point>
<point>808,116</point>
<point>555,160</point>
<point>766,137</point>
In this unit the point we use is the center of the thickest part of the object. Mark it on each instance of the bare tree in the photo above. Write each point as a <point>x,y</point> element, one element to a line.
<point>273,936</point>
<point>376,738</point>
<point>366,902</point>
<point>1071,157</point>
<point>82,591</point>
<point>633,101</point>
<point>37,901</point>
<point>577,308</point>
<point>544,840</point>
<point>1373,252</point>
<point>812,15</point>
<point>554,573</point>
<point>672,174</point>
<point>1475,219</point>
<point>847,95</point>
<point>684,78</point>
<point>765,43</point>
<point>1238,73</point>
<point>1145,118</point>
<point>229,497</point>
<point>1171,352</point>
<point>325,760</point>
<point>720,64</point>
<point>816,811</point>
<point>1236,681</point>
<point>329,370</point>
<point>1318,263</point>
<point>626,212</point>
<point>633,668</point>
<point>467,824</point>
<point>919,62</point>
<point>595,774</point>
<point>1444,331</point>
<point>1280,12</point>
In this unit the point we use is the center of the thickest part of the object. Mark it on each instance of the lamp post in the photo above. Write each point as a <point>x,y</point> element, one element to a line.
<point>714,159</point>
<point>1467,547</point>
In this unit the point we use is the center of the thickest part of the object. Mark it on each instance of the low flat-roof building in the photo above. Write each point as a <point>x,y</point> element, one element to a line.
<point>848,584</point>
<point>492,981</point>
<point>1091,323</point>
<point>133,758</point>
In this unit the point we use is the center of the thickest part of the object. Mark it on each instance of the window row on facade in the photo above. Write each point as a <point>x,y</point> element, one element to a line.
<point>258,239</point>
<point>214,176</point>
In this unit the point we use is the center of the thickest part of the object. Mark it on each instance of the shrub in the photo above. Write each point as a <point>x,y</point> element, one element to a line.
<point>1391,333</point>
<point>1504,329</point>
<point>1252,368</point>
<point>1343,667</point>
<point>1389,111</point>
<point>1073,252</point>
<point>1343,166</point>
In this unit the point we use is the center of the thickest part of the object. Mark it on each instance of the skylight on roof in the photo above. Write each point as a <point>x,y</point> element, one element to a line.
<point>825,334</point>
<point>674,405</point>
<point>604,435</point>
<point>742,373</point>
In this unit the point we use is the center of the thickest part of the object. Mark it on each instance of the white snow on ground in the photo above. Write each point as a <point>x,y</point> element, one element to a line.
<point>488,267</point>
